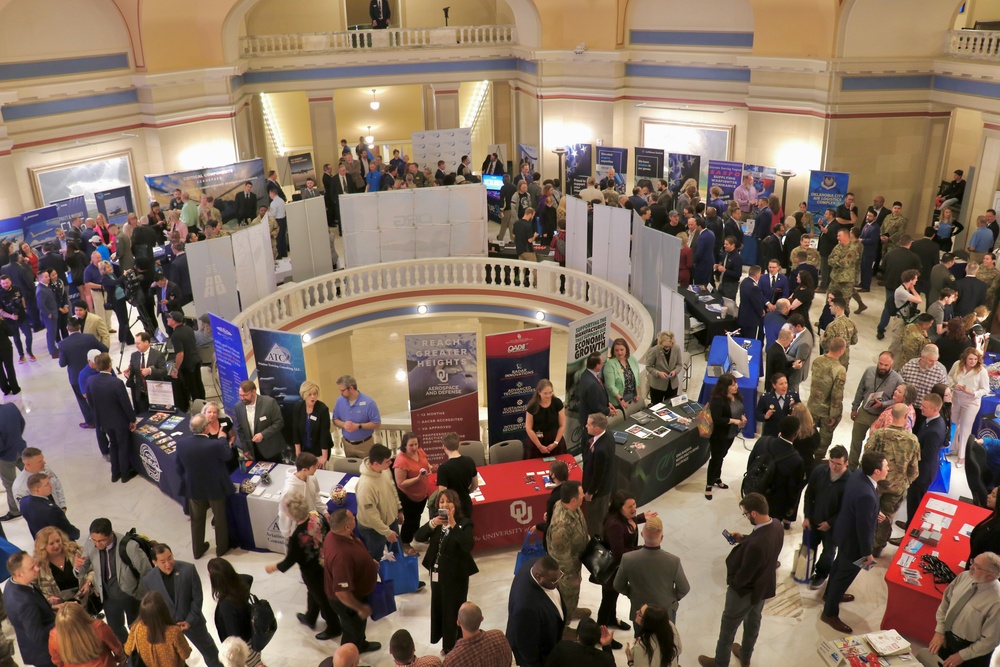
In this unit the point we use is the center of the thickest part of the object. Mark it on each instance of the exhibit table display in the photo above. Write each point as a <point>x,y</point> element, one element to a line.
<point>913,598</point>
<point>717,356</point>
<point>707,308</point>
<point>154,442</point>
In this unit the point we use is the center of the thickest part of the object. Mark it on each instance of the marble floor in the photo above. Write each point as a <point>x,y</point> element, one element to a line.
<point>693,533</point>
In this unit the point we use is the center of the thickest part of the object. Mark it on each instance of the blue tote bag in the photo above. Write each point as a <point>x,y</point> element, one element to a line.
<point>404,573</point>
<point>530,550</point>
<point>382,600</point>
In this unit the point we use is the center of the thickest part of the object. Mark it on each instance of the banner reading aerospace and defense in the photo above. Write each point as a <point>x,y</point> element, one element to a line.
<point>682,169</point>
<point>301,166</point>
<point>616,158</point>
<point>281,364</point>
<point>515,362</point>
<point>649,163</point>
<point>115,204</point>
<point>579,158</point>
<point>40,225</point>
<point>727,176</point>
<point>827,189</point>
<point>763,178</point>
<point>229,359</point>
<point>586,336</point>
<point>66,208</point>
<point>223,183</point>
<point>441,370</point>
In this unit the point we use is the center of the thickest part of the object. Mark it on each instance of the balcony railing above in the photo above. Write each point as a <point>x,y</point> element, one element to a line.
<point>261,46</point>
<point>975,44</point>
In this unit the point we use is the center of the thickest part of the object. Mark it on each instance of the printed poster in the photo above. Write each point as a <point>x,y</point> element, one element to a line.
<point>223,182</point>
<point>527,154</point>
<point>515,362</point>
<point>115,204</point>
<point>727,176</point>
<point>229,359</point>
<point>649,163</point>
<point>66,208</point>
<point>763,178</point>
<point>444,391</point>
<point>827,189</point>
<point>681,169</point>
<point>12,229</point>
<point>40,225</point>
<point>586,336</point>
<point>579,158</point>
<point>612,157</point>
<point>301,166</point>
<point>281,369</point>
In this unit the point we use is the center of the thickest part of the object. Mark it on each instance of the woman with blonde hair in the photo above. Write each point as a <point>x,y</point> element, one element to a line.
<point>664,364</point>
<point>544,423</point>
<point>621,375</point>
<point>55,553</point>
<point>80,640</point>
<point>221,427</point>
<point>311,424</point>
<point>969,383</point>
<point>806,441</point>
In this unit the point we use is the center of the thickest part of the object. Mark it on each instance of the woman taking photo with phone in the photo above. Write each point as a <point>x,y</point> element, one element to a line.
<point>449,561</point>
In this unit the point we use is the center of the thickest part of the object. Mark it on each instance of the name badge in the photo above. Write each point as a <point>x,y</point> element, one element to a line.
<point>312,417</point>
<point>263,418</point>
<point>434,577</point>
<point>363,403</point>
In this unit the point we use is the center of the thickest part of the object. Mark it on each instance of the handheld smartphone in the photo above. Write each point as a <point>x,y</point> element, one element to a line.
<point>729,536</point>
<point>443,514</point>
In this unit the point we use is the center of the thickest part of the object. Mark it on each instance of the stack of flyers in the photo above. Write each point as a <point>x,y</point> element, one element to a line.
<point>157,418</point>
<point>642,417</point>
<point>171,423</point>
<point>639,431</point>
<point>261,467</point>
<point>665,414</point>
<point>660,431</point>
<point>911,576</point>
<point>147,432</point>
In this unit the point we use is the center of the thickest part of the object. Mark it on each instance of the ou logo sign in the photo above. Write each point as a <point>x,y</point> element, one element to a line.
<point>521,512</point>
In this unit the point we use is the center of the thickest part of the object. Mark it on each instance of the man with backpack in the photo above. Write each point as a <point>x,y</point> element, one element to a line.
<point>119,562</point>
<point>776,471</point>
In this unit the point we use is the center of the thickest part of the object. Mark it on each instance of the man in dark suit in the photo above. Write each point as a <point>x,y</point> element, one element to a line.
<point>534,622</point>
<point>732,226</point>
<point>28,610</point>
<point>145,364</point>
<point>258,424</point>
<point>730,269</point>
<point>380,13</point>
<point>492,165</point>
<point>187,361</point>
<point>113,415</point>
<point>776,359</point>
<point>599,471</point>
<point>201,464</point>
<point>591,395</point>
<point>928,251</point>
<point>246,204</point>
<point>179,584</point>
<point>39,510</point>
<point>73,357</point>
<point>704,255</point>
<point>853,534</point>
<point>342,184</point>
<point>770,247</point>
<point>774,284</point>
<point>776,404</point>
<point>52,259</point>
<point>48,311</point>
<point>932,435</point>
<point>751,581</point>
<point>785,487</point>
<point>168,298</point>
<point>750,316</point>
<point>272,184</point>
<point>971,291</point>
<point>180,275</point>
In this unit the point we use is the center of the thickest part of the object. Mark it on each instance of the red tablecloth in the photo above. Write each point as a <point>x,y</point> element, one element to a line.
<point>510,505</point>
<point>911,609</point>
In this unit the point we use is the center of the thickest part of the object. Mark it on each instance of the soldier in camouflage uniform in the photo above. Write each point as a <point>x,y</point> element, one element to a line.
<point>893,227</point>
<point>844,262</point>
<point>912,340</point>
<point>566,539</point>
<point>812,255</point>
<point>989,274</point>
<point>902,451</point>
<point>841,327</point>
<point>826,393</point>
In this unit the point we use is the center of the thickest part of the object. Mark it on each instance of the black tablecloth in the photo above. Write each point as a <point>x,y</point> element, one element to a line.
<point>715,324</point>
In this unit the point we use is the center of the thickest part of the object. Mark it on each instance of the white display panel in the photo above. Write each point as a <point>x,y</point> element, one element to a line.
<point>576,234</point>
<point>602,242</point>
<point>619,248</point>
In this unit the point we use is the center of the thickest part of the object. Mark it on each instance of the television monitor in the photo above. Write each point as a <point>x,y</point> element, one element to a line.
<point>739,359</point>
<point>493,182</point>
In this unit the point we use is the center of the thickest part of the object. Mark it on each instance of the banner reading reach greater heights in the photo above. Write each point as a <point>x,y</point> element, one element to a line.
<point>586,336</point>
<point>444,390</point>
<point>515,362</point>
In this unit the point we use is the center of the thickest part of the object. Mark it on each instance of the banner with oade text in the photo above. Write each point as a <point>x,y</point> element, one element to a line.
<point>515,362</point>
<point>441,370</point>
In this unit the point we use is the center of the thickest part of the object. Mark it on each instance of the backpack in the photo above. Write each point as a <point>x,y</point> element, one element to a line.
<point>760,476</point>
<point>143,542</point>
<point>262,621</point>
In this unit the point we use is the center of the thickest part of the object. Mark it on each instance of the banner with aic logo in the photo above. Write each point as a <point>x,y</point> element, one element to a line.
<point>515,362</point>
<point>281,364</point>
<point>444,388</point>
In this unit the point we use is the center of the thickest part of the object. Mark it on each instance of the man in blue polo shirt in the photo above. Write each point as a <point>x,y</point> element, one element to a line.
<point>981,241</point>
<point>357,416</point>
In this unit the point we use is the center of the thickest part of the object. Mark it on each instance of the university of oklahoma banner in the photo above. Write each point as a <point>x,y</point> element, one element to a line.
<point>444,388</point>
<point>587,335</point>
<point>229,359</point>
<point>727,176</point>
<point>515,362</point>
<point>827,189</point>
<point>612,157</point>
<point>649,163</point>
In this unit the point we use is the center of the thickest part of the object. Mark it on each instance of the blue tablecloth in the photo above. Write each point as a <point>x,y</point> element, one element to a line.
<point>988,406</point>
<point>749,251</point>
<point>717,355</point>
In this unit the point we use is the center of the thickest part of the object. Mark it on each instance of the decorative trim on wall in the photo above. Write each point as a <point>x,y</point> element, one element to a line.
<point>952,84</point>
<point>890,82</point>
<point>39,69</point>
<point>319,73</point>
<point>69,105</point>
<point>723,40</point>
<point>120,128</point>
<point>689,72</point>
<point>527,66</point>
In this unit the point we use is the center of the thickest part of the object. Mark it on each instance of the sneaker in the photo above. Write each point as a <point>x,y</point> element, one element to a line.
<point>816,582</point>
<point>22,360</point>
<point>32,357</point>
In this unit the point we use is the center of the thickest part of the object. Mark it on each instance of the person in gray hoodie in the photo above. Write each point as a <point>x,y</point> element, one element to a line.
<point>379,511</point>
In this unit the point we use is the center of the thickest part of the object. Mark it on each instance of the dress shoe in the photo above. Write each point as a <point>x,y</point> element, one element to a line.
<point>847,598</point>
<point>127,477</point>
<point>8,516</point>
<point>837,624</point>
<point>705,661</point>
<point>615,645</point>
<point>371,646</point>
<point>880,335</point>
<point>200,552</point>
<point>901,525</point>
<point>737,649</point>
<point>86,425</point>
<point>816,582</point>
<point>304,620</point>
<point>327,634</point>
<point>582,612</point>
<point>115,478</point>
<point>622,625</point>
<point>876,553</point>
<point>895,541</point>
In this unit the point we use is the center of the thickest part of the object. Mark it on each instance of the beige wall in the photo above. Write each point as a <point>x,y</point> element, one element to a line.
<point>978,10</point>
<point>964,138</point>
<point>573,122</point>
<point>278,17</point>
<point>172,38</point>
<point>710,16</point>
<point>44,29</point>
<point>779,27</point>
<point>400,113</point>
<point>569,22</point>
<point>429,14</point>
<point>194,145</point>
<point>915,31</point>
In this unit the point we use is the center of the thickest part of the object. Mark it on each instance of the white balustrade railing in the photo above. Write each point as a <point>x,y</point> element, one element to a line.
<point>372,40</point>
<point>977,44</point>
<point>522,281</point>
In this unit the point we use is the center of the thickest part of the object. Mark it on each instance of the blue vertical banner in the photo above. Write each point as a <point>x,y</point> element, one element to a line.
<point>612,157</point>
<point>66,208</point>
<point>115,204</point>
<point>763,178</point>
<point>281,364</point>
<point>827,189</point>
<point>726,176</point>
<point>579,160</point>
<point>649,163</point>
<point>682,169</point>
<point>12,229</point>
<point>229,358</point>
<point>515,362</point>
<point>40,225</point>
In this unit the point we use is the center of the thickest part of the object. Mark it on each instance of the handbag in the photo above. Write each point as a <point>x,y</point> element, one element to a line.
<point>529,552</point>
<point>599,561</point>
<point>263,622</point>
<point>404,572</point>
<point>805,559</point>
<point>942,481</point>
<point>703,420</point>
<point>382,600</point>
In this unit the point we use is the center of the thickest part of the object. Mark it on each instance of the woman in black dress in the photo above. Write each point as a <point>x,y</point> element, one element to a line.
<point>221,427</point>
<point>802,297</point>
<point>449,561</point>
<point>232,611</point>
<point>311,424</point>
<point>621,534</point>
<point>544,423</point>
<point>305,546</point>
<point>728,417</point>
